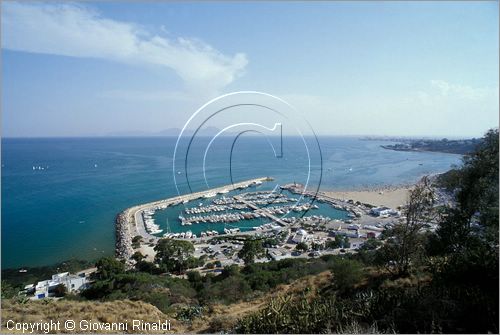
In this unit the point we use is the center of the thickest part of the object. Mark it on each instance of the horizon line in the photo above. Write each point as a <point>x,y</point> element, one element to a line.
<point>456,137</point>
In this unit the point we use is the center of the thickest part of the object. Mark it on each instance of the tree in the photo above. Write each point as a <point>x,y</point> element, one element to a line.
<point>251,250</point>
<point>174,255</point>
<point>476,196</point>
<point>346,273</point>
<point>7,290</point>
<point>138,256</point>
<point>136,241</point>
<point>317,246</point>
<point>346,243</point>
<point>336,243</point>
<point>405,242</point>
<point>107,267</point>
<point>60,290</point>
<point>301,246</point>
<point>466,240</point>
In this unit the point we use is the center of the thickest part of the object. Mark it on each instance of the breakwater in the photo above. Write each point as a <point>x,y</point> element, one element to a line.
<point>130,223</point>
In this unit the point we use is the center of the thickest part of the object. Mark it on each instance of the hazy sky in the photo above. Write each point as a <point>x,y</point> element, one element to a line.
<point>379,68</point>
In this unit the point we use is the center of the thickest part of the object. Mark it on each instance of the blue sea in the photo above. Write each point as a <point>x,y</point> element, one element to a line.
<point>60,196</point>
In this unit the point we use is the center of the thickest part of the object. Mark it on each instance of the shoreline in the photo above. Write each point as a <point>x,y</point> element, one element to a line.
<point>393,197</point>
<point>130,223</point>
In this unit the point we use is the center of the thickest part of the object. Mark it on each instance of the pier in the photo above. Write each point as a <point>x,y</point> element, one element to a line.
<point>261,210</point>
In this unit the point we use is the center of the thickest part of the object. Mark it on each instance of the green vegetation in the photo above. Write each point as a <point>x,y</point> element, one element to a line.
<point>417,281</point>
<point>405,243</point>
<point>450,146</point>
<point>113,282</point>
<point>251,249</point>
<point>136,241</point>
<point>338,242</point>
<point>301,247</point>
<point>175,256</point>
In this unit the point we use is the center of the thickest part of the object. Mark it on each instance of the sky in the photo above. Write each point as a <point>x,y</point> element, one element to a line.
<point>350,68</point>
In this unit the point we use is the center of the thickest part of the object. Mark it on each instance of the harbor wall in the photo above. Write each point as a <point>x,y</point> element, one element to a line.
<point>123,245</point>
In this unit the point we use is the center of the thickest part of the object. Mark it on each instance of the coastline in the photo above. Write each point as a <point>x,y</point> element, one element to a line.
<point>129,223</point>
<point>390,196</point>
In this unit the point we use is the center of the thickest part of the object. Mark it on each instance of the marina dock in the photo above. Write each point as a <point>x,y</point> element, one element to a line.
<point>130,222</point>
<point>262,211</point>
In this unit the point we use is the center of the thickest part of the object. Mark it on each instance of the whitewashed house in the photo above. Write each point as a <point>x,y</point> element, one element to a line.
<point>45,288</point>
<point>300,236</point>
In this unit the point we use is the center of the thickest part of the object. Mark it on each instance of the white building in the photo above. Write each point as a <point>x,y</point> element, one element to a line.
<point>300,236</point>
<point>45,288</point>
<point>356,244</point>
<point>383,211</point>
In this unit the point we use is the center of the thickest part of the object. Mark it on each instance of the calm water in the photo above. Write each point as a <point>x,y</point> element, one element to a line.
<point>68,208</point>
<point>168,219</point>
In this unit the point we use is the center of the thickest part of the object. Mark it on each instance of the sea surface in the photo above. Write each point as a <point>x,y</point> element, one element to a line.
<point>60,196</point>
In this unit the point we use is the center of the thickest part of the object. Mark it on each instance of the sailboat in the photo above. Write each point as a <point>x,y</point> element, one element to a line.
<point>168,230</point>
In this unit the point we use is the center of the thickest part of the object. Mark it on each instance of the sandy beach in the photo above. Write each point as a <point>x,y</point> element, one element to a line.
<point>389,196</point>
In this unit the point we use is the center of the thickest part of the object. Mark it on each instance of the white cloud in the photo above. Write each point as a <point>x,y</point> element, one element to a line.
<point>462,91</point>
<point>77,31</point>
<point>439,109</point>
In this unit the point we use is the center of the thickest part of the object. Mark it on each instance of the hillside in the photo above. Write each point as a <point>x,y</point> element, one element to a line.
<point>461,147</point>
<point>218,317</point>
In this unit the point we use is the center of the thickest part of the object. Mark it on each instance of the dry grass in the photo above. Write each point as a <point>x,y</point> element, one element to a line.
<point>217,318</point>
<point>222,318</point>
<point>103,312</point>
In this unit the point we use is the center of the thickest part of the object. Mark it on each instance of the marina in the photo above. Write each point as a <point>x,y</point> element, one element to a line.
<point>242,212</point>
<point>139,220</point>
<point>284,214</point>
<point>221,211</point>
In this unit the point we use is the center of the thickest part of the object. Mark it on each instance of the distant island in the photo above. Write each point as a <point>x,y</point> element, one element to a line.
<point>461,147</point>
